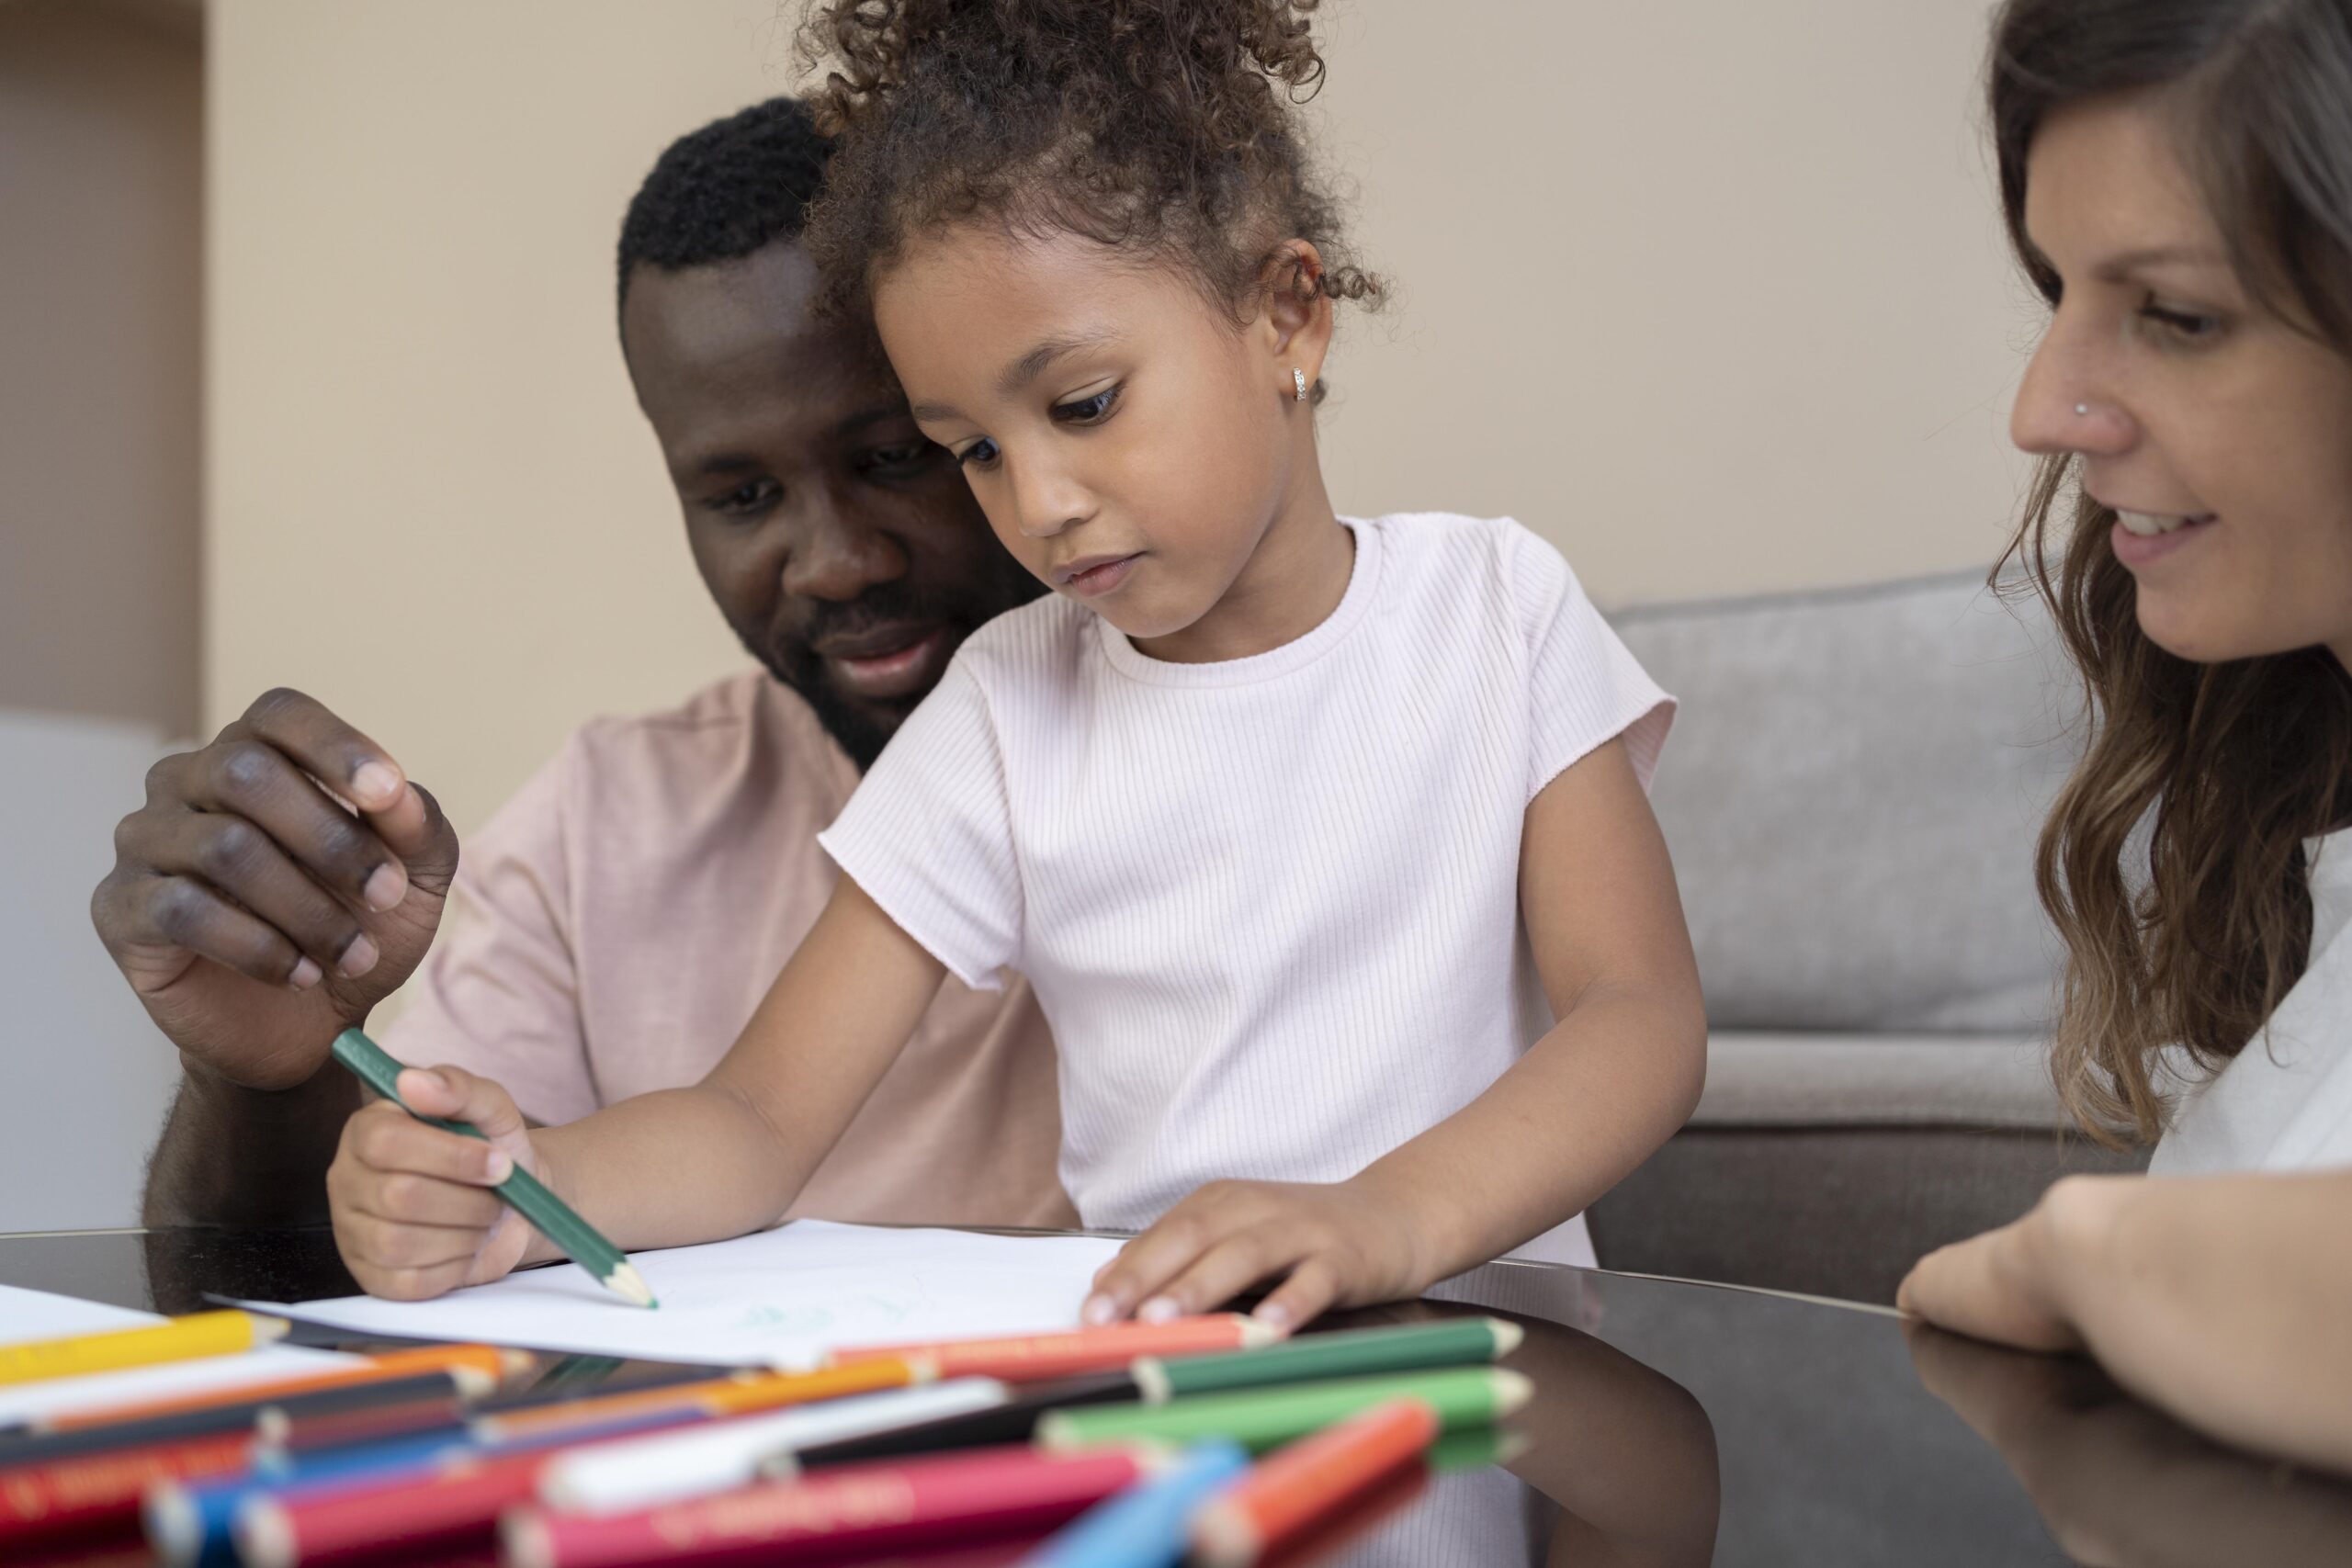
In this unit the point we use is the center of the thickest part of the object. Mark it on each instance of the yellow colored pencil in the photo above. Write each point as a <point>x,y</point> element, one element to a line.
<point>182,1339</point>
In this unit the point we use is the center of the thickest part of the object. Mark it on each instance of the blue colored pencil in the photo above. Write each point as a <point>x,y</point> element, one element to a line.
<point>1150,1524</point>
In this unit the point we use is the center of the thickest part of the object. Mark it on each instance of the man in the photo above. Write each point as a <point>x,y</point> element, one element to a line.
<point>611,931</point>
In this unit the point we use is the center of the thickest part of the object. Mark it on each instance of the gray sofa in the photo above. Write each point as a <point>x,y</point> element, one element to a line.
<point>1851,794</point>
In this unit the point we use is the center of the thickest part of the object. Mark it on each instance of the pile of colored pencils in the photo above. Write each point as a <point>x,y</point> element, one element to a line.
<point>1139,1443</point>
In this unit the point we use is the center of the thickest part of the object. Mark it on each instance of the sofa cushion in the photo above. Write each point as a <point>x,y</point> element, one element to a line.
<point>1851,796</point>
<point>1877,1080</point>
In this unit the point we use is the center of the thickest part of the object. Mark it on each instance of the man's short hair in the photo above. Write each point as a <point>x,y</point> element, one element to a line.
<point>737,185</point>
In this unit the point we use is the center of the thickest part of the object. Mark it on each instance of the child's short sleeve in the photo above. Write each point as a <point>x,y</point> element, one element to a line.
<point>1585,688</point>
<point>928,834</point>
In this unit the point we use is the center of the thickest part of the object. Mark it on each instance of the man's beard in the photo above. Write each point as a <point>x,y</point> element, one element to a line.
<point>860,728</point>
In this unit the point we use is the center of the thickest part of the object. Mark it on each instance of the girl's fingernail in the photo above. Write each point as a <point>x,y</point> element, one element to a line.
<point>425,1079</point>
<point>1098,1311</point>
<point>500,1165</point>
<point>306,975</point>
<point>1159,1309</point>
<point>1273,1314</point>
<point>358,958</point>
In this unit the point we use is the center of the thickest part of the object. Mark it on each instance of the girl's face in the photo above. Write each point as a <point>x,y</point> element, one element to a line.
<point>1130,445</point>
<point>2221,434</point>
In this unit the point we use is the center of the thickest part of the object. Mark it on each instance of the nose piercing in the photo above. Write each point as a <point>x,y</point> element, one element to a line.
<point>2081,410</point>
<point>1299,379</point>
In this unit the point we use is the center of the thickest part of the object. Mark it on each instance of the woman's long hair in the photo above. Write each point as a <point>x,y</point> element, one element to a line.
<point>2227,768</point>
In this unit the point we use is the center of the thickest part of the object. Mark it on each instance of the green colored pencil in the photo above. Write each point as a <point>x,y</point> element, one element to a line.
<point>1265,1419</point>
<point>1474,1450</point>
<point>523,1191</point>
<point>1350,1353</point>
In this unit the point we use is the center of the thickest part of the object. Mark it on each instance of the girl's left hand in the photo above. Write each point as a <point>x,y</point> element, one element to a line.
<point>1320,1246</point>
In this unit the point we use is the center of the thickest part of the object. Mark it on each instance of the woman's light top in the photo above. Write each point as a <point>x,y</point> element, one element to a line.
<point>2284,1101</point>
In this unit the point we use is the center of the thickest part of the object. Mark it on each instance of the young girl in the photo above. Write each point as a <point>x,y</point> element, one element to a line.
<point>1296,823</point>
<point>2179,176</point>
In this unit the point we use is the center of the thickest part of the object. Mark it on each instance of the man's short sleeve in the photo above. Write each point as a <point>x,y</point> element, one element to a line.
<point>499,993</point>
<point>1585,687</point>
<point>929,834</point>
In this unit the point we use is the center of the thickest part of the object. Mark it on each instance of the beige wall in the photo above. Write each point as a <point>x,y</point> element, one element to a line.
<point>1711,294</point>
<point>101,210</point>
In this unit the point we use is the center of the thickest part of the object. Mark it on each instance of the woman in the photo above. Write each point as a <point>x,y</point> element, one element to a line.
<point>2177,180</point>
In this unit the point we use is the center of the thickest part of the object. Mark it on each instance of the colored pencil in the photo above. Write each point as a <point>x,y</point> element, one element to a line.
<point>407,1512</point>
<point>263,1418</point>
<point>550,1215</point>
<point>479,1369</point>
<point>869,1509</point>
<point>1334,1539</point>
<point>1029,1358</point>
<point>1261,1419</point>
<point>736,1395</point>
<point>718,1456</point>
<point>1153,1380</point>
<point>103,1491</point>
<point>1149,1524</point>
<point>361,1426</point>
<point>195,1521</point>
<point>439,1496</point>
<point>1475,1447</point>
<point>1310,1481</point>
<point>1352,1353</point>
<point>202,1335</point>
<point>1014,1421</point>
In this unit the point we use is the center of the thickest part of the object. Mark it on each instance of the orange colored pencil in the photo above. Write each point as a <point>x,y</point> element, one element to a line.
<point>1029,1358</point>
<point>477,1368</point>
<point>736,1395</point>
<point>1296,1487</point>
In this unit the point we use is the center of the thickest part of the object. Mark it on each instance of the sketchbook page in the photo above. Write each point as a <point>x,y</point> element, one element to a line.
<point>782,1297</point>
<point>37,1315</point>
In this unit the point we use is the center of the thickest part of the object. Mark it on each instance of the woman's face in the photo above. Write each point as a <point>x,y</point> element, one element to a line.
<point>1129,443</point>
<point>2219,434</point>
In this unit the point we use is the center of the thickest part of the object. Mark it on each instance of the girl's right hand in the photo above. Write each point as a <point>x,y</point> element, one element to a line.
<point>414,1215</point>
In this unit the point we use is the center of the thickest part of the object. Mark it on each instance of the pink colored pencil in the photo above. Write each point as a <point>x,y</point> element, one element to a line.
<point>871,1508</point>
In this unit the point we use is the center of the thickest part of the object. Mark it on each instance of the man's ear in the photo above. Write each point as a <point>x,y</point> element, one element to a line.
<point>1295,323</point>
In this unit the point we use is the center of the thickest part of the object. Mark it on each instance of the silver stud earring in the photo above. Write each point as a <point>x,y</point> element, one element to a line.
<point>1299,379</point>
<point>2081,410</point>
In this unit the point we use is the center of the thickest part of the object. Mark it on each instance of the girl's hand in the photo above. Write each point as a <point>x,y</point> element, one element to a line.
<point>1326,1245</point>
<point>414,1212</point>
<point>2009,1285</point>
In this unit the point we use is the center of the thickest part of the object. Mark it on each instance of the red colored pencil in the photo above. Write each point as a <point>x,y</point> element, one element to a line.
<point>454,1507</point>
<point>1027,1357</point>
<point>1295,1486</point>
<point>870,1508</point>
<point>103,1491</point>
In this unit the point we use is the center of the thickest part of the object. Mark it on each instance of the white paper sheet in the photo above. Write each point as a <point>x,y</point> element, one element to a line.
<point>37,1315</point>
<point>782,1297</point>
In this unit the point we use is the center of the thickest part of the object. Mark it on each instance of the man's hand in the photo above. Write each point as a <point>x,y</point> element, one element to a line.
<point>1318,1245</point>
<point>255,916</point>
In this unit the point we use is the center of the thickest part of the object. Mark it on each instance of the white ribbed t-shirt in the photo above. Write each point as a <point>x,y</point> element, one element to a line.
<point>1269,905</point>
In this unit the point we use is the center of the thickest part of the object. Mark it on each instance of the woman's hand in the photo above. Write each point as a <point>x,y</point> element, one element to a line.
<point>2010,1285</point>
<point>1319,1246</point>
<point>414,1212</point>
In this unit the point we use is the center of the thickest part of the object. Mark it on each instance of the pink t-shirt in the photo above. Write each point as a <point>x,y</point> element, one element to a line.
<point>614,926</point>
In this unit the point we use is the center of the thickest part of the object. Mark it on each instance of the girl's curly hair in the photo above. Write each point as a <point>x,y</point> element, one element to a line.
<point>1157,127</point>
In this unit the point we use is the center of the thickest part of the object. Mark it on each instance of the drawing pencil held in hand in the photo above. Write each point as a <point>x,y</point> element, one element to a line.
<point>549,1214</point>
